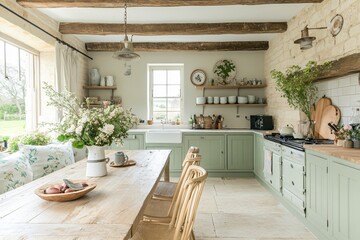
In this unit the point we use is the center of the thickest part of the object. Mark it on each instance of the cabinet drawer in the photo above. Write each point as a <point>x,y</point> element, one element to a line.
<point>293,177</point>
<point>293,155</point>
<point>294,200</point>
<point>272,146</point>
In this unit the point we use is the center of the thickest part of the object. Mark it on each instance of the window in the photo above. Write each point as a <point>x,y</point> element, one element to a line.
<point>165,84</point>
<point>16,84</point>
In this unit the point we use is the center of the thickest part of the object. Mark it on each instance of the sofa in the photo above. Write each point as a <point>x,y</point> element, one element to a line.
<point>32,162</point>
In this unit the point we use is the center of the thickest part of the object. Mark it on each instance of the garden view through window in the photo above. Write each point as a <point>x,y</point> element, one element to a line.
<point>165,93</point>
<point>16,71</point>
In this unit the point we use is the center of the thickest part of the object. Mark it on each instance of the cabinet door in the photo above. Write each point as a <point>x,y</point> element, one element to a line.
<point>176,157</point>
<point>317,191</point>
<point>211,149</point>
<point>240,152</point>
<point>345,202</point>
<point>259,156</point>
<point>132,142</point>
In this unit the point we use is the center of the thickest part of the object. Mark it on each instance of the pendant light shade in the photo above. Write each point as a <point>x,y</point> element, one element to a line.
<point>127,52</point>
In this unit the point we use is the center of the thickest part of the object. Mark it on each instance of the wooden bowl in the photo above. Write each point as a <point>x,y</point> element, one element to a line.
<point>64,197</point>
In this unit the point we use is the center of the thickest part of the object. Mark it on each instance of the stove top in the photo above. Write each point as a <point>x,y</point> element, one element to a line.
<point>295,143</point>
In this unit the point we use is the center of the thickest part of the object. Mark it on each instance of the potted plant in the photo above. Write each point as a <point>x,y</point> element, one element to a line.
<point>296,85</point>
<point>223,69</point>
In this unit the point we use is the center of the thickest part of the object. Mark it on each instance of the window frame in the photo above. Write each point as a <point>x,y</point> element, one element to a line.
<point>150,85</point>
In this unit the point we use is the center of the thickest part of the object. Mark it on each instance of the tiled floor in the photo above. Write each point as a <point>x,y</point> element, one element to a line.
<point>241,208</point>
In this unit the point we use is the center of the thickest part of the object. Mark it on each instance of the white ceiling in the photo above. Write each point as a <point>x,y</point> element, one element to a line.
<point>208,14</point>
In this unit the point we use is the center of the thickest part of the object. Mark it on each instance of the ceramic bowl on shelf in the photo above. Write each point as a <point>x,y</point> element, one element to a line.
<point>216,100</point>
<point>210,100</point>
<point>251,98</point>
<point>223,100</point>
<point>232,99</point>
<point>242,99</point>
<point>200,100</point>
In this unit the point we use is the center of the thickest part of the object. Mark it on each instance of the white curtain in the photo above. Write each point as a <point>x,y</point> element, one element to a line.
<point>67,72</point>
<point>66,68</point>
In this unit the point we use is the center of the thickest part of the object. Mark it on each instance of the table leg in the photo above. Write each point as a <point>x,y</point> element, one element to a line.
<point>167,170</point>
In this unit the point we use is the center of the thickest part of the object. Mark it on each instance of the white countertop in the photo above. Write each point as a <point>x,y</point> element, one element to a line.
<point>225,130</point>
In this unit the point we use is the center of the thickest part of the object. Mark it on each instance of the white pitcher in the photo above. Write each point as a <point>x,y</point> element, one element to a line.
<point>96,161</point>
<point>109,81</point>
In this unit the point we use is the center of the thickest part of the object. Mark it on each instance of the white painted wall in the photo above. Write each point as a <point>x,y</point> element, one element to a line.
<point>133,89</point>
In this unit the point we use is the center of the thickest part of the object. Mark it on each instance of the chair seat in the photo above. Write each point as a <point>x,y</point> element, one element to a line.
<point>148,231</point>
<point>165,190</point>
<point>157,208</point>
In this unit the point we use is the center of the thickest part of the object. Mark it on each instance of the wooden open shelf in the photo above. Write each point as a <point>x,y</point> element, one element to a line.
<point>100,87</point>
<point>231,86</point>
<point>236,104</point>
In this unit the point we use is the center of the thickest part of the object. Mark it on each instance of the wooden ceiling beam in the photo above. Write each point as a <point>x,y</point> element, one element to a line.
<point>172,29</point>
<point>180,46</point>
<point>148,3</point>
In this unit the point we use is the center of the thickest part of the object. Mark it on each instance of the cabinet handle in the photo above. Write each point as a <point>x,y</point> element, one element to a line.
<point>291,152</point>
<point>222,152</point>
<point>271,181</point>
<point>292,182</point>
<point>201,137</point>
<point>292,166</point>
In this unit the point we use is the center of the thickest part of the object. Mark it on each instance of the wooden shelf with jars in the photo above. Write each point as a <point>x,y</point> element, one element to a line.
<point>230,86</point>
<point>234,104</point>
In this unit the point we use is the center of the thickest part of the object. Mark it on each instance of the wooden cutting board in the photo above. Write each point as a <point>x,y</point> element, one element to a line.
<point>330,114</point>
<point>319,109</point>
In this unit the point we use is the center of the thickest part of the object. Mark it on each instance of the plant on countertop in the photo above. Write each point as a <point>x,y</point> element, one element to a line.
<point>296,85</point>
<point>89,126</point>
<point>224,69</point>
<point>33,138</point>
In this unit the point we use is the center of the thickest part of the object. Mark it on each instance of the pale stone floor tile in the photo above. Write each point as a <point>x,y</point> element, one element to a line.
<point>241,208</point>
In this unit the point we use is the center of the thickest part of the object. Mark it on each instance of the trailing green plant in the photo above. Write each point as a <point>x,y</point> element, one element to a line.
<point>223,70</point>
<point>296,85</point>
<point>33,138</point>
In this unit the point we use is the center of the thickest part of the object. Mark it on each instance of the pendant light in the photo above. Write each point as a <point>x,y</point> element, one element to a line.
<point>127,52</point>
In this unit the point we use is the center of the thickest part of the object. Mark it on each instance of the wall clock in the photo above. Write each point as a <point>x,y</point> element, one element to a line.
<point>198,77</point>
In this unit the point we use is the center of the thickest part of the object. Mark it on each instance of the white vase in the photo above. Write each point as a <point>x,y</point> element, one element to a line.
<point>94,77</point>
<point>96,161</point>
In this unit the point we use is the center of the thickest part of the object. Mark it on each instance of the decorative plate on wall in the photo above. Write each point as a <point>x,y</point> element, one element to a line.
<point>198,77</point>
<point>225,71</point>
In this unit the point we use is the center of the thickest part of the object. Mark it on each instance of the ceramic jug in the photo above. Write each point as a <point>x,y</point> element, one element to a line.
<point>94,77</point>
<point>109,81</point>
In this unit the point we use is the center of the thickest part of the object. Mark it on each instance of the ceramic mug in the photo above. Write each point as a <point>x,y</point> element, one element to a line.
<point>120,158</point>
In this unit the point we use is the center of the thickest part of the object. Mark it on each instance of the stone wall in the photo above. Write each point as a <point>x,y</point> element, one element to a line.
<point>283,52</point>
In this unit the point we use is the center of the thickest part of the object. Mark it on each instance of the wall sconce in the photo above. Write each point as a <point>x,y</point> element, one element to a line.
<point>335,27</point>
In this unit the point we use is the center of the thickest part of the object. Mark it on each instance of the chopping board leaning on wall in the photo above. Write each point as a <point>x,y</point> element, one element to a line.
<point>322,114</point>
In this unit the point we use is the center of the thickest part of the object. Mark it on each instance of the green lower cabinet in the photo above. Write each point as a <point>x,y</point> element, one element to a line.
<point>345,201</point>
<point>259,156</point>
<point>176,156</point>
<point>240,152</point>
<point>212,150</point>
<point>132,142</point>
<point>317,194</point>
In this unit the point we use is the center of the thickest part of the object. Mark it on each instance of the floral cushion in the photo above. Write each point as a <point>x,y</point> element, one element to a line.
<point>47,159</point>
<point>15,171</point>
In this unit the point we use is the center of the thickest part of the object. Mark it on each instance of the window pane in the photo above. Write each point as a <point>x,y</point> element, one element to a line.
<point>173,116</point>
<point>174,91</point>
<point>158,116</point>
<point>159,104</point>
<point>159,76</point>
<point>174,77</point>
<point>159,91</point>
<point>12,62</point>
<point>174,104</point>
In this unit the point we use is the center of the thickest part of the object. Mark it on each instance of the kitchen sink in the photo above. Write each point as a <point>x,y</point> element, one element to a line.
<point>163,136</point>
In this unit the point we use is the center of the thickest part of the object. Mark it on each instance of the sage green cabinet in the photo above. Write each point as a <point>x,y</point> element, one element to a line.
<point>259,156</point>
<point>240,152</point>
<point>132,142</point>
<point>345,190</point>
<point>176,156</point>
<point>317,194</point>
<point>212,150</point>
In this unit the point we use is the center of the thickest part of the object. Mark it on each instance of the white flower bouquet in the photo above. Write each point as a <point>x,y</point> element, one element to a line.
<point>89,126</point>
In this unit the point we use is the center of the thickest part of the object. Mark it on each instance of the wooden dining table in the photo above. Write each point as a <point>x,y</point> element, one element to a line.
<point>111,211</point>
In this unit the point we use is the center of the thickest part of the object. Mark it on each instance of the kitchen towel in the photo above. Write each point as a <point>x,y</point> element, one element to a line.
<point>268,162</point>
